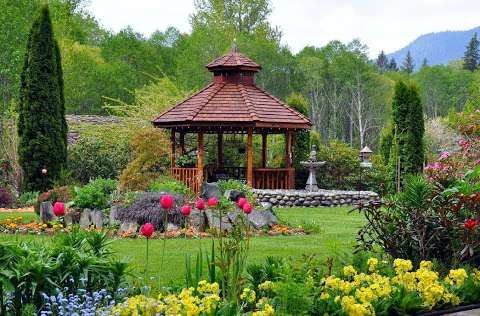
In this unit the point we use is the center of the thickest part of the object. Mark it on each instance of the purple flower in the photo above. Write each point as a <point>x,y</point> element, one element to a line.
<point>444,155</point>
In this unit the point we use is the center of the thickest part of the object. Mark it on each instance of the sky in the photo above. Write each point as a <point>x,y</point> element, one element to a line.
<point>380,24</point>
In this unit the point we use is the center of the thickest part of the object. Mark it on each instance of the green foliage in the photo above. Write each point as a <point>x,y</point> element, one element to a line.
<point>41,122</point>
<point>28,198</point>
<point>232,184</point>
<point>92,157</point>
<point>385,147</point>
<point>408,65</point>
<point>471,58</point>
<point>95,195</point>
<point>168,184</point>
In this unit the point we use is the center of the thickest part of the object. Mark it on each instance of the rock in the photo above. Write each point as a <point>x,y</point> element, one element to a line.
<point>210,190</point>
<point>232,216</point>
<point>259,219</point>
<point>86,218</point>
<point>234,195</point>
<point>96,217</point>
<point>112,217</point>
<point>213,221</point>
<point>266,206</point>
<point>197,220</point>
<point>171,226</point>
<point>71,217</point>
<point>46,212</point>
<point>273,201</point>
<point>129,228</point>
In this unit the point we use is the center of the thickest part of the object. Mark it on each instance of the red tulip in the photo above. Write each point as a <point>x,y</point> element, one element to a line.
<point>200,204</point>
<point>470,224</point>
<point>186,209</point>
<point>59,209</point>
<point>241,202</point>
<point>247,208</point>
<point>166,201</point>
<point>212,202</point>
<point>147,230</point>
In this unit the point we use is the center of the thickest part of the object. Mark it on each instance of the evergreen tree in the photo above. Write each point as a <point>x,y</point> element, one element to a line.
<point>408,65</point>
<point>424,62</point>
<point>301,139</point>
<point>386,139</point>
<point>392,66</point>
<point>42,127</point>
<point>382,62</point>
<point>471,57</point>
<point>407,155</point>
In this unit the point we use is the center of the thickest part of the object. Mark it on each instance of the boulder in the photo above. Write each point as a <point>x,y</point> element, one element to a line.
<point>197,220</point>
<point>46,212</point>
<point>213,221</point>
<point>210,190</point>
<point>71,217</point>
<point>129,228</point>
<point>96,217</point>
<point>112,217</point>
<point>171,226</point>
<point>85,218</point>
<point>260,219</point>
<point>267,206</point>
<point>234,195</point>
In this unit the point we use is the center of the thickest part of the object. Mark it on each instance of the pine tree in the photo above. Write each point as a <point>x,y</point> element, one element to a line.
<point>408,65</point>
<point>471,57</point>
<point>392,66</point>
<point>42,127</point>
<point>424,62</point>
<point>382,62</point>
<point>407,150</point>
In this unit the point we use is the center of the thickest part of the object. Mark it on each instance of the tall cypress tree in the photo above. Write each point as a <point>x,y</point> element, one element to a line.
<point>382,61</point>
<point>471,57</point>
<point>42,127</point>
<point>408,65</point>
<point>407,151</point>
<point>392,66</point>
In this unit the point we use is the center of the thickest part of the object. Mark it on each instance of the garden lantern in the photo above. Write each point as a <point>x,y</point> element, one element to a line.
<point>364,155</point>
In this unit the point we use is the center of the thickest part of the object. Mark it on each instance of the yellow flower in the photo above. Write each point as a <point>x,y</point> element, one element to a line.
<point>353,308</point>
<point>372,264</point>
<point>426,265</point>
<point>266,286</point>
<point>349,271</point>
<point>324,296</point>
<point>248,295</point>
<point>402,266</point>
<point>457,277</point>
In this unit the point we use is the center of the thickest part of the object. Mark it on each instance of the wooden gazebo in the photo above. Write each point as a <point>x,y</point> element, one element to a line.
<point>232,104</point>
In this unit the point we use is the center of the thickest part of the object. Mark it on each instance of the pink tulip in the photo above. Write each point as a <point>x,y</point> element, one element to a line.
<point>200,204</point>
<point>147,230</point>
<point>186,210</point>
<point>59,209</point>
<point>247,208</point>
<point>212,202</point>
<point>166,201</point>
<point>241,202</point>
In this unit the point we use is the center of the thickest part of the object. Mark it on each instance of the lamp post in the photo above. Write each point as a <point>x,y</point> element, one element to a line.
<point>364,162</point>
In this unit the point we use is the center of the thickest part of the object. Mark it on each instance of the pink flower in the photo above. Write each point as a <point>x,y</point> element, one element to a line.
<point>59,209</point>
<point>186,209</point>
<point>444,155</point>
<point>437,166</point>
<point>212,202</point>
<point>247,208</point>
<point>241,201</point>
<point>200,204</point>
<point>477,162</point>
<point>147,230</point>
<point>166,201</point>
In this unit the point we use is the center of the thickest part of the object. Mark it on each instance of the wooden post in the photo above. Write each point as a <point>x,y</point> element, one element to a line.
<point>264,149</point>
<point>182,143</point>
<point>290,181</point>
<point>200,154</point>
<point>250,157</point>
<point>220,150</point>
<point>172,153</point>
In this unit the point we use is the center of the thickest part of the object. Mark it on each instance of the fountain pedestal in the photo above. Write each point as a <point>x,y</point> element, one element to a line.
<point>312,164</point>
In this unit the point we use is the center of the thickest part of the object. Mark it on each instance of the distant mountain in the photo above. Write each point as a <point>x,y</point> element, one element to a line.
<point>438,48</point>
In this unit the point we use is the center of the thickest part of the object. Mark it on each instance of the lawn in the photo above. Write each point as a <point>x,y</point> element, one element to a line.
<point>334,235</point>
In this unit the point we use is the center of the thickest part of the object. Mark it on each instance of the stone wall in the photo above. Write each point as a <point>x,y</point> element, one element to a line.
<point>301,198</point>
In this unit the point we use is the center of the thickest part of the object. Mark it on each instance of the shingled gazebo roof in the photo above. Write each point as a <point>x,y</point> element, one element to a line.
<point>232,101</point>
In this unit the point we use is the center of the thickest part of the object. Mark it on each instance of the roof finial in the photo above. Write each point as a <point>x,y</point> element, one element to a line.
<point>234,46</point>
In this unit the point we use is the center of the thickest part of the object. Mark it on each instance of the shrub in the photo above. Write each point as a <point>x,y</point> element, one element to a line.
<point>239,185</point>
<point>6,198</point>
<point>93,157</point>
<point>95,195</point>
<point>168,184</point>
<point>28,198</point>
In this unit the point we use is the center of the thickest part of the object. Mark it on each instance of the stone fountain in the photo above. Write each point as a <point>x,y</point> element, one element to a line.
<point>312,164</point>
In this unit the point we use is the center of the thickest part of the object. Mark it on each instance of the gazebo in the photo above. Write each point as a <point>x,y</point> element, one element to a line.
<point>233,104</point>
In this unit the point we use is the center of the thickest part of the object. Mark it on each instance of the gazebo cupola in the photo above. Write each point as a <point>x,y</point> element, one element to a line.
<point>232,103</point>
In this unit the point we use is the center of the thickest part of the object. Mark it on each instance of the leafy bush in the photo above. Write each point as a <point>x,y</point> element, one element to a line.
<point>28,198</point>
<point>6,198</point>
<point>239,185</point>
<point>93,157</point>
<point>95,195</point>
<point>168,184</point>
<point>60,194</point>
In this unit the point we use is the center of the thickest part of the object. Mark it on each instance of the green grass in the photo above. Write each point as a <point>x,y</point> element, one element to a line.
<point>26,217</point>
<point>335,238</point>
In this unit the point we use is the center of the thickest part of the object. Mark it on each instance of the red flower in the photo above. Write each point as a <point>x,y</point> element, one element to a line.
<point>147,230</point>
<point>200,204</point>
<point>470,224</point>
<point>59,209</point>
<point>241,202</point>
<point>247,208</point>
<point>166,201</point>
<point>213,201</point>
<point>186,209</point>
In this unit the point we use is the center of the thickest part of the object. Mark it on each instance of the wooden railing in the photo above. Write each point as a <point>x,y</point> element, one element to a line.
<point>232,172</point>
<point>189,176</point>
<point>273,178</point>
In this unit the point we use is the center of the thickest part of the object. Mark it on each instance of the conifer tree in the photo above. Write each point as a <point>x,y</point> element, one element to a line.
<point>408,65</point>
<point>42,127</point>
<point>392,66</point>
<point>424,62</point>
<point>382,61</point>
<point>471,57</point>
